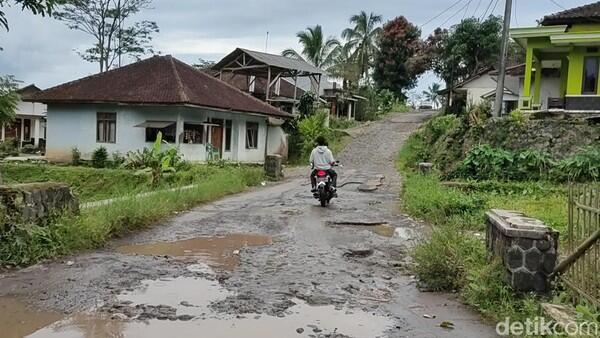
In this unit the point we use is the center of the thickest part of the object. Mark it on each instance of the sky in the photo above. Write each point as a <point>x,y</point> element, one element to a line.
<point>44,51</point>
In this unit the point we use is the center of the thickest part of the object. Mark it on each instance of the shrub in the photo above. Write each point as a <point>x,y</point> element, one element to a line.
<point>517,116</point>
<point>117,159</point>
<point>486,162</point>
<point>310,128</point>
<point>10,147</point>
<point>306,104</point>
<point>479,113</point>
<point>531,164</point>
<point>99,158</point>
<point>335,123</point>
<point>443,262</point>
<point>439,126</point>
<point>75,156</point>
<point>583,166</point>
<point>29,149</point>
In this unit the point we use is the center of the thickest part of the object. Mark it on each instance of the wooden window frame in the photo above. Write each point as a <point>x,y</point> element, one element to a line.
<point>595,90</point>
<point>248,129</point>
<point>101,117</point>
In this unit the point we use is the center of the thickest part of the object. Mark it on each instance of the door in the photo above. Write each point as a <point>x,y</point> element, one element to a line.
<point>216,135</point>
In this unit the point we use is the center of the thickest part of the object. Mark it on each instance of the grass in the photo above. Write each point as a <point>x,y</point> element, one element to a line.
<point>91,184</point>
<point>31,243</point>
<point>454,258</point>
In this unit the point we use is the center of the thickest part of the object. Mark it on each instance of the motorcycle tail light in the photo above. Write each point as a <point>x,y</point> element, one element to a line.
<point>321,173</point>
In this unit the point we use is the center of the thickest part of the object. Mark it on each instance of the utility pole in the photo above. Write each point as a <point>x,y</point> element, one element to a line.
<point>502,70</point>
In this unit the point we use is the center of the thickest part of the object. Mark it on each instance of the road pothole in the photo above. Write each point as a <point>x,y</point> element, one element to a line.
<point>217,251</point>
<point>189,299</point>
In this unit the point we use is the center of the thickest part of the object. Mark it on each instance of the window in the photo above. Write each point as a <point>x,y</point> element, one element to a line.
<point>590,75</point>
<point>106,127</point>
<point>193,133</point>
<point>251,135</point>
<point>228,130</point>
<point>168,133</point>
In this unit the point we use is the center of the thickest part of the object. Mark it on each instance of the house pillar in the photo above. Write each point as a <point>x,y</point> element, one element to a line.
<point>537,82</point>
<point>528,70</point>
<point>179,129</point>
<point>22,138</point>
<point>564,76</point>
<point>36,132</point>
<point>3,133</point>
<point>349,110</point>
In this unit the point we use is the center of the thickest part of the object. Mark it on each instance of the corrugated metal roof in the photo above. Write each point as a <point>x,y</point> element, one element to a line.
<point>159,80</point>
<point>272,60</point>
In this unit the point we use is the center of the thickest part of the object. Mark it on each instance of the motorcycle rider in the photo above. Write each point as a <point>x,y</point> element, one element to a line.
<point>321,158</point>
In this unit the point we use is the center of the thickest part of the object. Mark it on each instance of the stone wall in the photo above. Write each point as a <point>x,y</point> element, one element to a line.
<point>35,202</point>
<point>526,247</point>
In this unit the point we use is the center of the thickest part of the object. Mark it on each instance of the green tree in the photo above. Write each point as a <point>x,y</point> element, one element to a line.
<point>9,98</point>
<point>104,20</point>
<point>466,48</point>
<point>363,39</point>
<point>431,94</point>
<point>316,49</point>
<point>401,58</point>
<point>346,68</point>
<point>37,7</point>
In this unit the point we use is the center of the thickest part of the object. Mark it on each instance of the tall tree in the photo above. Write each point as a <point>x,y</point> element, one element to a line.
<point>466,48</point>
<point>9,98</point>
<point>104,20</point>
<point>345,67</point>
<point>41,7</point>
<point>316,49</point>
<point>401,58</point>
<point>363,38</point>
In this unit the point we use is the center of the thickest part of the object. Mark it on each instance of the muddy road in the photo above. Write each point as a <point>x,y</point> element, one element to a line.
<point>267,263</point>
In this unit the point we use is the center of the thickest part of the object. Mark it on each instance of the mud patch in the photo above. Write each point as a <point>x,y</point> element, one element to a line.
<point>19,320</point>
<point>217,251</point>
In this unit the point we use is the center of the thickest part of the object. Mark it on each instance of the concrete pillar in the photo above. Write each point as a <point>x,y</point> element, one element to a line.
<point>22,132</point>
<point>179,129</point>
<point>349,110</point>
<point>36,132</point>
<point>3,133</point>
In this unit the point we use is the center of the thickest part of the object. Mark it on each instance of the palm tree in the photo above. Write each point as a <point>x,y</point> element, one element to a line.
<point>363,37</point>
<point>431,94</point>
<point>316,49</point>
<point>345,67</point>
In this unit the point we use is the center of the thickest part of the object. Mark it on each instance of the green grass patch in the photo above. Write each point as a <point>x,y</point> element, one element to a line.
<point>28,244</point>
<point>91,184</point>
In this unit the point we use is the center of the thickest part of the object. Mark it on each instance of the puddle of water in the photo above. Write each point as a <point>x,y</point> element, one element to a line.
<point>18,320</point>
<point>217,251</point>
<point>385,230</point>
<point>198,294</point>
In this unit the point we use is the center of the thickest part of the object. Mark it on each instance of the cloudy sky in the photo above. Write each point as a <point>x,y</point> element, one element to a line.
<point>43,51</point>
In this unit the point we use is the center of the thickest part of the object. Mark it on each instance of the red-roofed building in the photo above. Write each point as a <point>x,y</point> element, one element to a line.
<point>124,109</point>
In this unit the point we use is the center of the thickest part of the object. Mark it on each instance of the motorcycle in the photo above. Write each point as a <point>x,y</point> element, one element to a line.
<point>324,187</point>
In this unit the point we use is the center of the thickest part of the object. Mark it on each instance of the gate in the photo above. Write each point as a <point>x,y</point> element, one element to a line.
<point>581,269</point>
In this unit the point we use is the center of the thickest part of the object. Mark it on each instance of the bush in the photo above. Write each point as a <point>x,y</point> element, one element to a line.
<point>117,159</point>
<point>29,149</point>
<point>335,123</point>
<point>486,162</point>
<point>306,104</point>
<point>10,147</point>
<point>99,158</point>
<point>517,116</point>
<point>443,262</point>
<point>583,166</point>
<point>310,128</point>
<point>75,156</point>
<point>479,113</point>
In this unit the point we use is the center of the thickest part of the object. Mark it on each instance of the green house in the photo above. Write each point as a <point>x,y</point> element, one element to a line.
<point>562,61</point>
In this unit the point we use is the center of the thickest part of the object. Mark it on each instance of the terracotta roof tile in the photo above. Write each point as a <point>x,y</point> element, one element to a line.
<point>160,80</point>
<point>589,13</point>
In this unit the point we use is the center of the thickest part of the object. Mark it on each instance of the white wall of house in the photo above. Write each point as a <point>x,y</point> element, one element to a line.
<point>478,87</point>
<point>74,125</point>
<point>550,87</point>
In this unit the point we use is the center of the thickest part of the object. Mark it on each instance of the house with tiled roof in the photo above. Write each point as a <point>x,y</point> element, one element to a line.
<point>566,46</point>
<point>124,109</point>
<point>29,126</point>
